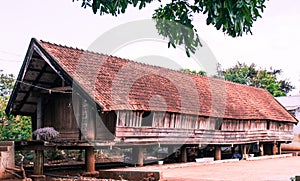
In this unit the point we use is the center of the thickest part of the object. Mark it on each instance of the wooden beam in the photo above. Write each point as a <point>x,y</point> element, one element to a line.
<point>218,153</point>
<point>84,118</point>
<point>33,83</point>
<point>279,148</point>
<point>232,150</point>
<point>138,155</point>
<point>26,102</point>
<point>89,159</point>
<point>274,149</point>
<point>244,151</point>
<point>183,152</point>
<point>39,112</point>
<point>141,156</point>
<point>38,168</point>
<point>261,149</point>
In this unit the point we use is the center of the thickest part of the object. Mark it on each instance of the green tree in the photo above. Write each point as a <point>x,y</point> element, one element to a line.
<point>11,127</point>
<point>200,72</point>
<point>234,17</point>
<point>6,84</point>
<point>262,78</point>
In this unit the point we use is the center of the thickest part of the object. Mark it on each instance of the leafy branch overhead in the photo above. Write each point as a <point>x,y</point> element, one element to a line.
<point>174,20</point>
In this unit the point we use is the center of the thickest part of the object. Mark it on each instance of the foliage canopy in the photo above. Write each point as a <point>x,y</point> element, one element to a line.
<point>233,17</point>
<point>257,77</point>
<point>11,127</point>
<point>253,76</point>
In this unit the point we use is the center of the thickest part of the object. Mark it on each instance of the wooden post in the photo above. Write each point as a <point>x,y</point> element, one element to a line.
<point>89,159</point>
<point>183,154</point>
<point>84,118</point>
<point>274,149</point>
<point>141,156</point>
<point>218,153</point>
<point>279,148</point>
<point>261,149</point>
<point>39,162</point>
<point>138,155</point>
<point>39,113</point>
<point>232,150</point>
<point>244,151</point>
<point>240,150</point>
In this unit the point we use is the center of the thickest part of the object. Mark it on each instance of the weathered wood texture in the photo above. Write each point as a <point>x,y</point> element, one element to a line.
<point>175,120</point>
<point>196,136</point>
<point>76,118</point>
<point>89,159</point>
<point>59,114</point>
<point>140,126</point>
<point>218,154</point>
<point>38,168</point>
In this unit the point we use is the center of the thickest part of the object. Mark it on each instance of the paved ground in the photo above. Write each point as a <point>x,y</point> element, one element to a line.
<point>272,169</point>
<point>269,169</point>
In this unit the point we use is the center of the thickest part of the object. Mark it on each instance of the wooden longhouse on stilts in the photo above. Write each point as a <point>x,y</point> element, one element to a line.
<point>99,100</point>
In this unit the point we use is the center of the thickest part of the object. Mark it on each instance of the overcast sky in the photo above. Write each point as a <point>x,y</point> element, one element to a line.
<point>274,43</point>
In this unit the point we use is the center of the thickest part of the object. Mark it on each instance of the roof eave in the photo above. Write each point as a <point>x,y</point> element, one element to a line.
<point>36,46</point>
<point>12,98</point>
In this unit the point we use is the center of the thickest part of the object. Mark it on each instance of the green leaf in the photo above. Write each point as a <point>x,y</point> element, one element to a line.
<point>234,16</point>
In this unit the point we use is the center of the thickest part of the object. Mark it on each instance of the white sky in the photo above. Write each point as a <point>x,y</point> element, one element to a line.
<point>275,41</point>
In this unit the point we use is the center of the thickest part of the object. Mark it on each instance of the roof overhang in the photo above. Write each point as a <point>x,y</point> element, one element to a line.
<point>39,73</point>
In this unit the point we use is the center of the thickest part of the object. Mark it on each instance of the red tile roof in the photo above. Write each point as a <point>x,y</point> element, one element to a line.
<point>120,84</point>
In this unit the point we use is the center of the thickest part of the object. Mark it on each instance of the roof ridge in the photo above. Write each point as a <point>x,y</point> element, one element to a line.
<point>157,66</point>
<point>60,45</point>
<point>153,66</point>
<point>126,59</point>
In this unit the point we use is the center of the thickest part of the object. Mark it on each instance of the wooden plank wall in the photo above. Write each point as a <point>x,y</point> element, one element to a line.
<point>184,121</point>
<point>58,113</point>
<point>143,135</point>
<point>281,126</point>
<point>96,125</point>
<point>76,118</point>
<point>168,120</point>
<point>244,125</point>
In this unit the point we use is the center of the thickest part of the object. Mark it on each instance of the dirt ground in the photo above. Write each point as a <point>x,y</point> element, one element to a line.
<point>276,169</point>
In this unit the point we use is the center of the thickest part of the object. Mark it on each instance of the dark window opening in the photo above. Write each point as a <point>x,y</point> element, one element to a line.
<point>147,118</point>
<point>268,125</point>
<point>218,124</point>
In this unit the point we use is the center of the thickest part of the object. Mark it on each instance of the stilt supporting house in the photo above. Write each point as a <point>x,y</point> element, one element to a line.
<point>261,149</point>
<point>232,149</point>
<point>39,162</point>
<point>90,159</point>
<point>218,153</point>
<point>138,155</point>
<point>244,152</point>
<point>183,152</point>
<point>279,148</point>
